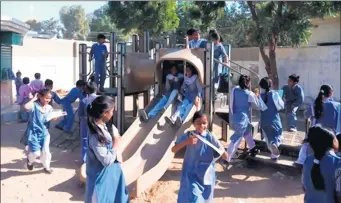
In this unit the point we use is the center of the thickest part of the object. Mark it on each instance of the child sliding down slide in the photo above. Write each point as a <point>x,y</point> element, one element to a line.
<point>174,81</point>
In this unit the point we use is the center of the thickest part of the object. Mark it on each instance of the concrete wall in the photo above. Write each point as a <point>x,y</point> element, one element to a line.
<point>6,94</point>
<point>327,30</point>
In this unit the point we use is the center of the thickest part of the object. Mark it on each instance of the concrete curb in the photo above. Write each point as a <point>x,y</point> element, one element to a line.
<point>7,117</point>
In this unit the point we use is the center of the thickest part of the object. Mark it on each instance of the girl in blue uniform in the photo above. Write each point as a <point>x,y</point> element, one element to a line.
<point>66,102</point>
<point>270,122</point>
<point>190,94</point>
<point>105,181</point>
<point>37,131</point>
<point>324,111</point>
<point>90,90</point>
<point>322,170</point>
<point>174,81</point>
<point>198,171</point>
<point>241,101</point>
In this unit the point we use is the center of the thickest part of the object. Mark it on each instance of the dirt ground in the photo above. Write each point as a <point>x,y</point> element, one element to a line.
<point>240,184</point>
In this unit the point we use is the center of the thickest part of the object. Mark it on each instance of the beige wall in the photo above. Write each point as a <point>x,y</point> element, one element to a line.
<point>327,30</point>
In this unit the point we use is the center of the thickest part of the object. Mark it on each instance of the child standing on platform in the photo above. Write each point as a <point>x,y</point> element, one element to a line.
<point>322,170</point>
<point>203,149</point>
<point>37,130</point>
<point>174,81</point>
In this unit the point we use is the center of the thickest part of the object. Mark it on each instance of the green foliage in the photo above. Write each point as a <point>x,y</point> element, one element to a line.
<point>156,17</point>
<point>51,26</point>
<point>75,22</point>
<point>34,25</point>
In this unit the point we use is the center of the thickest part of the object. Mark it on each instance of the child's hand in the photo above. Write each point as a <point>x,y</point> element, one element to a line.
<point>196,102</point>
<point>179,97</point>
<point>192,140</point>
<point>256,91</point>
<point>35,97</point>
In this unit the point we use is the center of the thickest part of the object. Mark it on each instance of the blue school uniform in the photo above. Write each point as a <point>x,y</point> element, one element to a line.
<point>37,129</point>
<point>104,177</point>
<point>66,103</point>
<point>219,53</point>
<point>84,123</point>
<point>330,167</point>
<point>294,97</point>
<point>198,171</point>
<point>201,43</point>
<point>96,52</point>
<point>18,82</point>
<point>270,121</point>
<point>173,84</point>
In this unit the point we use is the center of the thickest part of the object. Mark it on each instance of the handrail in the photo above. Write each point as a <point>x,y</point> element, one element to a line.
<point>225,64</point>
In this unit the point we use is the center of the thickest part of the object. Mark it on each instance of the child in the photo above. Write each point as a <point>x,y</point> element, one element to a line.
<point>24,94</point>
<point>191,90</point>
<point>103,171</point>
<point>324,111</point>
<point>49,85</point>
<point>90,90</point>
<point>66,102</point>
<point>294,97</point>
<point>322,170</point>
<point>198,171</point>
<point>18,82</point>
<point>37,84</point>
<point>100,53</point>
<point>270,121</point>
<point>196,42</point>
<point>37,130</point>
<point>219,53</point>
<point>174,81</point>
<point>241,99</point>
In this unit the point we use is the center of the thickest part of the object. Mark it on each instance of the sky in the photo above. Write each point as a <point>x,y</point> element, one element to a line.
<point>43,10</point>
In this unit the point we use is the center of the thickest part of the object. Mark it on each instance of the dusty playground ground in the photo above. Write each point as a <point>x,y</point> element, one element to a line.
<point>238,185</point>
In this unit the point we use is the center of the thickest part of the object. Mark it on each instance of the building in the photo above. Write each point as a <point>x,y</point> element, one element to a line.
<point>325,31</point>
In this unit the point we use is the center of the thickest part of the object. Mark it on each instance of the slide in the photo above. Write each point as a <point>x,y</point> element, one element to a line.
<point>152,158</point>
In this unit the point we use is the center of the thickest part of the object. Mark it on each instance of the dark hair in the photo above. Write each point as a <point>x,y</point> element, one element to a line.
<point>26,80</point>
<point>266,83</point>
<point>44,92</point>
<point>294,78</point>
<point>17,73</point>
<point>196,30</point>
<point>92,78</point>
<point>197,115</point>
<point>100,36</point>
<point>95,111</point>
<point>90,87</point>
<point>244,82</point>
<point>325,90</point>
<point>80,83</point>
<point>191,67</point>
<point>48,82</point>
<point>212,34</point>
<point>215,36</point>
<point>338,137</point>
<point>37,75</point>
<point>190,31</point>
<point>321,140</point>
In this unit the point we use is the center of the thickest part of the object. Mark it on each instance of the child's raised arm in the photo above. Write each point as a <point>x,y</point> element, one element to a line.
<point>29,105</point>
<point>183,141</point>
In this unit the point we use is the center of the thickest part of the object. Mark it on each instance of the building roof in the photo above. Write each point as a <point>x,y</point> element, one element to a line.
<point>13,25</point>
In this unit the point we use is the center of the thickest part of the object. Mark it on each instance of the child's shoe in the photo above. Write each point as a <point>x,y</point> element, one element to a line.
<point>48,170</point>
<point>169,121</point>
<point>29,166</point>
<point>143,115</point>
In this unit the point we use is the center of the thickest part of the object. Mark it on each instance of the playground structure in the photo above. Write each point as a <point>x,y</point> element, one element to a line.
<point>135,72</point>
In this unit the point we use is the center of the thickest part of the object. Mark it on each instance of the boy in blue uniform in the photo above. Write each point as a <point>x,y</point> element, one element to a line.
<point>18,82</point>
<point>66,102</point>
<point>322,170</point>
<point>100,53</point>
<point>294,97</point>
<point>196,42</point>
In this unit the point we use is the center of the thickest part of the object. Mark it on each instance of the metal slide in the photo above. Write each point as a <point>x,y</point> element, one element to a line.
<point>153,155</point>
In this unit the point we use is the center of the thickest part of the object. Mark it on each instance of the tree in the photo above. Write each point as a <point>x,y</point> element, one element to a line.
<point>75,22</point>
<point>51,26</point>
<point>284,22</point>
<point>156,17</point>
<point>34,25</point>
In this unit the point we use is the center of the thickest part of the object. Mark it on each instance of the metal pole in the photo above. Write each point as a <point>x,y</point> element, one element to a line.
<point>83,62</point>
<point>166,42</point>
<point>135,48</point>
<point>172,41</point>
<point>112,59</point>
<point>146,49</point>
<point>157,57</point>
<point>209,91</point>
<point>120,86</point>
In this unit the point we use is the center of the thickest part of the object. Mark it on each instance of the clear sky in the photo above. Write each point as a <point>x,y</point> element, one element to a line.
<point>43,10</point>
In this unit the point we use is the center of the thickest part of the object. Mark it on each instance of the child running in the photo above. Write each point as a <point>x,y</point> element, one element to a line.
<point>324,111</point>
<point>74,94</point>
<point>105,180</point>
<point>17,82</point>
<point>198,171</point>
<point>322,170</point>
<point>90,90</point>
<point>174,81</point>
<point>270,121</point>
<point>191,90</point>
<point>37,131</point>
<point>24,94</point>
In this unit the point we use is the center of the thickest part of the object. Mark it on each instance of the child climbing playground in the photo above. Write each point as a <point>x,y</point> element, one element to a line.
<point>174,82</point>
<point>203,149</point>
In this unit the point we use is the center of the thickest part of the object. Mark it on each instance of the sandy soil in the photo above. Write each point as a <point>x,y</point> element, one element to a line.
<point>240,184</point>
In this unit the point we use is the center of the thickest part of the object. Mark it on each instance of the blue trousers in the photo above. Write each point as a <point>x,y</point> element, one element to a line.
<point>100,73</point>
<point>183,110</point>
<point>291,117</point>
<point>163,103</point>
<point>84,137</point>
<point>67,122</point>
